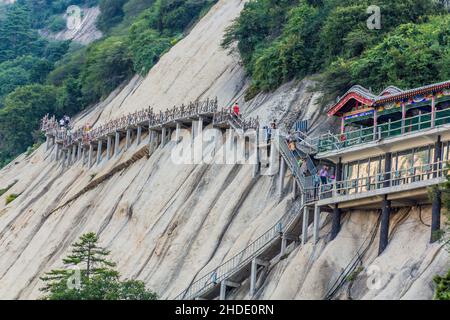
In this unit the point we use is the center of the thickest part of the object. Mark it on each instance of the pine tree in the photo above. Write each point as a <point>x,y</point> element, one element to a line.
<point>85,255</point>
<point>97,278</point>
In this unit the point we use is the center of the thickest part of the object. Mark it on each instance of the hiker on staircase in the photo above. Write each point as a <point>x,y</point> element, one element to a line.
<point>236,109</point>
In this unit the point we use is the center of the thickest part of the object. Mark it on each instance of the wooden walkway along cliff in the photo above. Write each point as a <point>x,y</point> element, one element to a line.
<point>87,145</point>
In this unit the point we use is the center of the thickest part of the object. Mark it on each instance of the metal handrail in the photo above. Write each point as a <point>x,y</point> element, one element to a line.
<point>391,129</point>
<point>384,180</point>
<point>235,263</point>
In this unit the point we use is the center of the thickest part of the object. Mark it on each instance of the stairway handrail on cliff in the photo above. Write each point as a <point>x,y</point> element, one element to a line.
<point>237,122</point>
<point>234,264</point>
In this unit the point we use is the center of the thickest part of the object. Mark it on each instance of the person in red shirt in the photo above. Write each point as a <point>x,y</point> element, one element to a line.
<point>236,109</point>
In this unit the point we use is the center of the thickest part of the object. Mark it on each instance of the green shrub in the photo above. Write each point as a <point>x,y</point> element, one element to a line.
<point>442,291</point>
<point>33,148</point>
<point>10,198</point>
<point>280,40</point>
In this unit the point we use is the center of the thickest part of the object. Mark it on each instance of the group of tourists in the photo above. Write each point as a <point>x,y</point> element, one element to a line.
<point>64,122</point>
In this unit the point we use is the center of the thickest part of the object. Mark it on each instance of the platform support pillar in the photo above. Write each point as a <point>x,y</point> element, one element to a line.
<point>281,177</point>
<point>254,272</point>
<point>316,224</point>
<point>305,225</point>
<point>90,155</point>
<point>223,288</point>
<point>139,135</point>
<point>336,222</point>
<point>384,226</point>
<point>108,148</point>
<point>117,144</point>
<point>99,151</point>
<point>128,139</point>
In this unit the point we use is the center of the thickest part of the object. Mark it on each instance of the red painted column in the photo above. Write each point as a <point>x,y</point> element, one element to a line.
<point>375,124</point>
<point>433,111</point>
<point>403,116</point>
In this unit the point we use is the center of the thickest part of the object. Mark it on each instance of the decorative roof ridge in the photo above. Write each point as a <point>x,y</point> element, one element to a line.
<point>412,92</point>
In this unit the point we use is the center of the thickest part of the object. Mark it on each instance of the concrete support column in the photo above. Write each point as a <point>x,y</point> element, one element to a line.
<point>437,157</point>
<point>384,226</point>
<point>283,245</point>
<point>83,156</point>
<point>47,143</point>
<point>117,144</point>
<point>223,288</point>
<point>281,177</point>
<point>90,155</point>
<point>64,157</point>
<point>200,126</point>
<point>80,150</point>
<point>254,272</point>
<point>336,222</point>
<point>138,135</point>
<point>57,152</point>
<point>316,224</point>
<point>151,140</point>
<point>163,137</point>
<point>108,147</point>
<point>128,139</point>
<point>257,167</point>
<point>99,151</point>
<point>435,215</point>
<point>177,132</point>
<point>74,154</point>
<point>305,225</point>
<point>294,189</point>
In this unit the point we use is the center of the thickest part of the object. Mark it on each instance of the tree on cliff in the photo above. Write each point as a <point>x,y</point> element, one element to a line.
<point>89,275</point>
<point>442,291</point>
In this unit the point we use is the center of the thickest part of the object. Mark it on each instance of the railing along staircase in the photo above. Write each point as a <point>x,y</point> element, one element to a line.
<point>237,263</point>
<point>243,258</point>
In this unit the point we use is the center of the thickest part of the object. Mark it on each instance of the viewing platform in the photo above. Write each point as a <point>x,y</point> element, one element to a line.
<point>372,125</point>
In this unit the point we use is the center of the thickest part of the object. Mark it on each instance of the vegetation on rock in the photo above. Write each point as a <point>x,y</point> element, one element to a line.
<point>38,76</point>
<point>280,40</point>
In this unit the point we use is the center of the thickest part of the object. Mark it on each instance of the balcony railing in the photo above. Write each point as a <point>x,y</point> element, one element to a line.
<point>407,176</point>
<point>391,129</point>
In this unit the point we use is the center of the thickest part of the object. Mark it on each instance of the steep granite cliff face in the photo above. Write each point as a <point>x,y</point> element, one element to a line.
<point>86,33</point>
<point>169,224</point>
